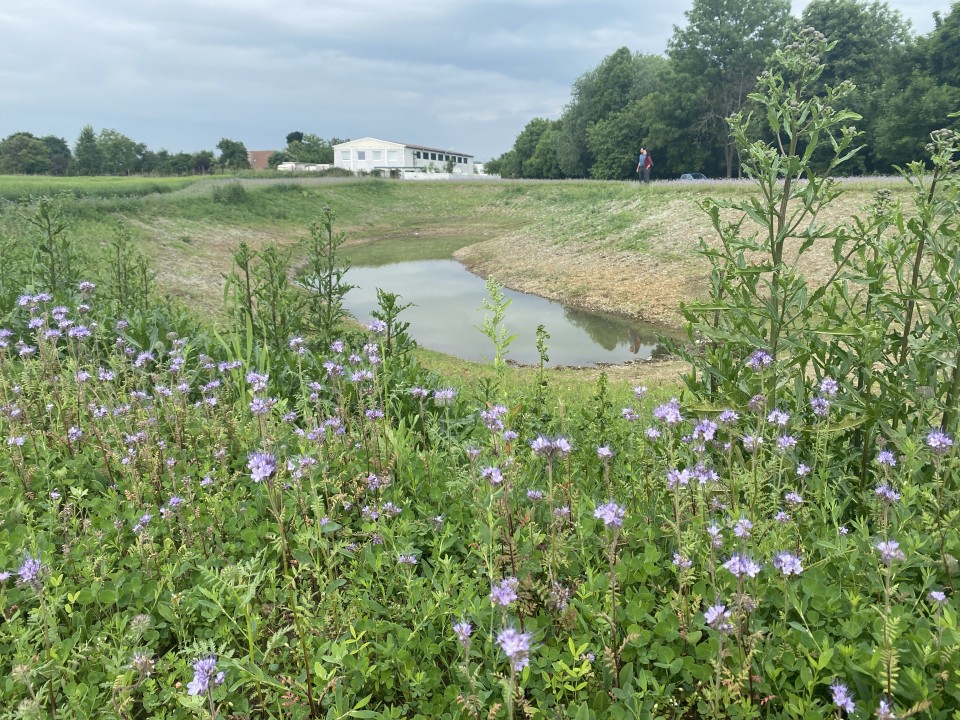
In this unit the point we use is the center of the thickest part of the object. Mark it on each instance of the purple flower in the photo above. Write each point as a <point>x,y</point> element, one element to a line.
<point>728,417</point>
<point>793,498</point>
<point>31,572</point>
<point>890,551</point>
<point>786,442</point>
<point>463,630</point>
<point>759,359</point>
<point>886,458</point>
<point>752,443</point>
<point>682,562</point>
<point>885,710</point>
<point>842,698</point>
<point>705,430</point>
<point>492,475</point>
<point>716,538</point>
<point>829,387</point>
<point>407,559</point>
<point>604,452</point>
<point>742,528</point>
<point>677,478</point>
<point>740,565</point>
<point>640,392</point>
<point>782,517</point>
<point>506,592</point>
<point>205,676</point>
<point>535,495</point>
<point>939,441</point>
<point>803,470</point>
<point>669,413</point>
<point>788,564</point>
<point>820,406</point>
<point>419,393</point>
<point>937,597</point>
<point>444,397</point>
<point>718,617</point>
<point>377,327</point>
<point>261,465</point>
<point>516,646</point>
<point>887,494</point>
<point>778,417</point>
<point>611,514</point>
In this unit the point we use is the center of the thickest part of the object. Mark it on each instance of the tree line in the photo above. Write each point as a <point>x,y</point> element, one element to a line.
<point>677,104</point>
<point>110,152</point>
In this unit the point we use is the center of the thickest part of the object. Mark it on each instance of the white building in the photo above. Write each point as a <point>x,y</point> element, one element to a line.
<point>369,154</point>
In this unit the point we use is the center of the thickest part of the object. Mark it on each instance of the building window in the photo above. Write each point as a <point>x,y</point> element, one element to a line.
<point>392,155</point>
<point>378,154</point>
<point>361,154</point>
<point>344,154</point>
<point>433,156</point>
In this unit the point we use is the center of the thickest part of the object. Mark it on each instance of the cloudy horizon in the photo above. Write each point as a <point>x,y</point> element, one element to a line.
<point>181,74</point>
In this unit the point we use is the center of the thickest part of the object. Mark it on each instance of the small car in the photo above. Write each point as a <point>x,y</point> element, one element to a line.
<point>693,176</point>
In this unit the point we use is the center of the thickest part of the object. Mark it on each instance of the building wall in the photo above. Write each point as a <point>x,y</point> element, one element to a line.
<point>368,154</point>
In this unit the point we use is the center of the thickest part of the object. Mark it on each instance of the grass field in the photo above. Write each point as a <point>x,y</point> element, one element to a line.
<point>17,187</point>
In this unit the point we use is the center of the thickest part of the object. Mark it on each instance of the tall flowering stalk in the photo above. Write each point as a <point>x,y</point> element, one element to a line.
<point>890,553</point>
<point>612,516</point>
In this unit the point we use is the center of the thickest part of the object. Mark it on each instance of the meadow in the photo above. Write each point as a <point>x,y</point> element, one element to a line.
<point>251,506</point>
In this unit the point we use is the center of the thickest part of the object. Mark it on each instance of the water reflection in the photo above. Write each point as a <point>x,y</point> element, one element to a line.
<point>447,309</point>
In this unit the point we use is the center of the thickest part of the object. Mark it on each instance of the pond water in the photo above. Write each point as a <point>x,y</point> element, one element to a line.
<point>447,309</point>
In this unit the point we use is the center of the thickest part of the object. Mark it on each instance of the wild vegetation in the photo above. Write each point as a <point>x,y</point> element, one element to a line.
<point>281,516</point>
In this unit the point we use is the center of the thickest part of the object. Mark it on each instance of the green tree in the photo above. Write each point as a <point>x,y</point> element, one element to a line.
<point>943,47</point>
<point>203,162</point>
<point>24,154</point>
<point>615,142</point>
<point>911,113</point>
<point>870,45</point>
<point>60,155</point>
<point>86,152</point>
<point>281,156</point>
<point>311,148</point>
<point>295,136</point>
<point>620,79</point>
<point>717,57</point>
<point>118,152</point>
<point>544,162</point>
<point>233,155</point>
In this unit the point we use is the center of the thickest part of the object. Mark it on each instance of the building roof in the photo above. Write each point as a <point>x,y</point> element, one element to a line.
<point>258,158</point>
<point>400,144</point>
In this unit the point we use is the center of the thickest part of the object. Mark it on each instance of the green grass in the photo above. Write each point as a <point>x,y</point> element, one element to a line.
<point>16,187</point>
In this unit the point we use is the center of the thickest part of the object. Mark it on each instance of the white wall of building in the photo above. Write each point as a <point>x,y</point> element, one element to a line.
<point>369,154</point>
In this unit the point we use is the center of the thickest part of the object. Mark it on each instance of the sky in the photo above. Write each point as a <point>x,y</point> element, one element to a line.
<point>464,75</point>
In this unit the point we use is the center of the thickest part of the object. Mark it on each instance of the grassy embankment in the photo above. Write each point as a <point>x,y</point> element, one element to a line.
<point>617,247</point>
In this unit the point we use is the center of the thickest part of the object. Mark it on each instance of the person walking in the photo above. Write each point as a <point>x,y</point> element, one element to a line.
<point>644,165</point>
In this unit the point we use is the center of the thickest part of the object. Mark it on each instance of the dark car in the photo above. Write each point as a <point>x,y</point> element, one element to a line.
<point>693,176</point>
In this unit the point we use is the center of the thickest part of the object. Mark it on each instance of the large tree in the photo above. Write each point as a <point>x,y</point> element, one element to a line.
<point>233,155</point>
<point>88,159</point>
<point>118,152</point>
<point>871,44</point>
<point>24,154</point>
<point>60,155</point>
<point>620,79</point>
<point>716,59</point>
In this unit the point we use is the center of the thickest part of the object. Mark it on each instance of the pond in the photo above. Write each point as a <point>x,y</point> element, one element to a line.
<point>448,307</point>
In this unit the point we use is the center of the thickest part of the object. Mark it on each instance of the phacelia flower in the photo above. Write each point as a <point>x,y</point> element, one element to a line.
<point>937,597</point>
<point>890,551</point>
<point>886,458</point>
<point>516,646</point>
<point>463,630</point>
<point>842,698</point>
<point>759,359</point>
<point>718,617</point>
<point>205,676</point>
<point>939,441</point>
<point>31,572</point>
<point>505,592</point>
<point>788,563</point>
<point>262,465</point>
<point>611,514</point>
<point>740,565</point>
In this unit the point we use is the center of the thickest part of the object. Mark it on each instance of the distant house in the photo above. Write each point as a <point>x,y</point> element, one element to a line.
<point>259,159</point>
<point>369,154</point>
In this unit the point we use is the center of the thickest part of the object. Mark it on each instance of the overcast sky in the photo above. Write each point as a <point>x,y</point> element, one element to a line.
<point>181,74</point>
